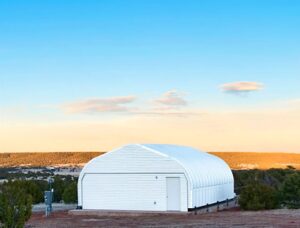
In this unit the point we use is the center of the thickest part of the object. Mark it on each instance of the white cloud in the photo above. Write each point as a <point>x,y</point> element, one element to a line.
<point>171,99</point>
<point>170,103</point>
<point>94,105</point>
<point>241,87</point>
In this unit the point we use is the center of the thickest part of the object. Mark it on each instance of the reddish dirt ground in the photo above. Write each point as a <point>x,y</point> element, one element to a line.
<point>276,218</point>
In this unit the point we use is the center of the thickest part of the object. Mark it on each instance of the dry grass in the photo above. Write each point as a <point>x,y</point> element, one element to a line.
<point>248,160</point>
<point>46,159</point>
<point>236,160</point>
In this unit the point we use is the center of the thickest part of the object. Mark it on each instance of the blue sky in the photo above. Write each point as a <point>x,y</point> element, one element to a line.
<point>54,53</point>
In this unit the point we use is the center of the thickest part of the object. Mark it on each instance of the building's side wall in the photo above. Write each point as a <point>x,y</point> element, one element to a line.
<point>211,194</point>
<point>145,192</point>
<point>133,159</point>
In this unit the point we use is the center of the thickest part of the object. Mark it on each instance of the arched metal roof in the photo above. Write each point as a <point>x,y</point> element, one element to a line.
<point>202,169</point>
<point>209,178</point>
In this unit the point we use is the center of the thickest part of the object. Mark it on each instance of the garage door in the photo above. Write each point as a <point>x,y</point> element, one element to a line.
<point>124,192</point>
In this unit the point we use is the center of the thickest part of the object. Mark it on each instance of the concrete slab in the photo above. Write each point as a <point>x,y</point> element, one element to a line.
<point>55,206</point>
<point>119,213</point>
<point>113,213</point>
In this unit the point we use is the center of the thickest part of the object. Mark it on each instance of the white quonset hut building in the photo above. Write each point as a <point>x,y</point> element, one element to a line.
<point>153,177</point>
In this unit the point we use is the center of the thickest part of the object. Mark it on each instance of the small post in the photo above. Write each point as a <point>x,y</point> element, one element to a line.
<point>48,197</point>
<point>48,201</point>
<point>195,213</point>
<point>227,202</point>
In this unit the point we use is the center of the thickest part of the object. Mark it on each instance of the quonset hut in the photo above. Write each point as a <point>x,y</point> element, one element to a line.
<point>154,177</point>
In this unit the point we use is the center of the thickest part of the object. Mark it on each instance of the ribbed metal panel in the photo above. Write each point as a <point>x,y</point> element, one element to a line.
<point>145,192</point>
<point>210,178</point>
<point>207,179</point>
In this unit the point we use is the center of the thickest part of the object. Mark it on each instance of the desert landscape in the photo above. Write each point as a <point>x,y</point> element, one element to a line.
<point>254,160</point>
<point>167,80</point>
<point>236,160</point>
<point>34,169</point>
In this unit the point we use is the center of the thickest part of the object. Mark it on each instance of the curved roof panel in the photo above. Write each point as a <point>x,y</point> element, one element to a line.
<point>203,169</point>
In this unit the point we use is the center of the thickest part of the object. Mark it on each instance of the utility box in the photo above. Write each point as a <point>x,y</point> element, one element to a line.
<point>48,196</point>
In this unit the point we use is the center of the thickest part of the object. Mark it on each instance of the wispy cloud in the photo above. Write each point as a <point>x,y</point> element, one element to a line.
<point>95,105</point>
<point>170,103</point>
<point>241,87</point>
<point>171,99</point>
<point>294,101</point>
<point>173,113</point>
<point>293,104</point>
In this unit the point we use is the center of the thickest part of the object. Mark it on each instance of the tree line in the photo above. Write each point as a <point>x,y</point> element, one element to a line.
<point>268,189</point>
<point>18,196</point>
<point>256,190</point>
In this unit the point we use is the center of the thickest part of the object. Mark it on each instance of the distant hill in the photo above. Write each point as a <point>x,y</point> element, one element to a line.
<point>250,160</point>
<point>46,159</point>
<point>236,160</point>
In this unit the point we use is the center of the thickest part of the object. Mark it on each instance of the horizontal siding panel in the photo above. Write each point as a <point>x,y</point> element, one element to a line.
<point>129,191</point>
<point>129,159</point>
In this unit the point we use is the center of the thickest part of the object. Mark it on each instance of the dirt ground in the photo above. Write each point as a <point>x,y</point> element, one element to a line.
<point>233,218</point>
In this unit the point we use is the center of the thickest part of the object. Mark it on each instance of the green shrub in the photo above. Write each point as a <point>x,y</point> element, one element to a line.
<point>70,193</point>
<point>61,184</point>
<point>34,190</point>
<point>15,205</point>
<point>290,191</point>
<point>58,186</point>
<point>256,196</point>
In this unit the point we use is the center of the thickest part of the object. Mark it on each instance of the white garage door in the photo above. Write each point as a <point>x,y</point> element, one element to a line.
<point>124,192</point>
